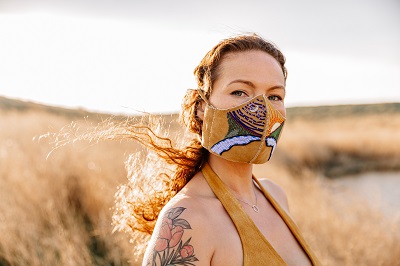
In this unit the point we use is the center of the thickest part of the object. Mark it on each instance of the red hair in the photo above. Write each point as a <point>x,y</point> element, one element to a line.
<point>153,183</point>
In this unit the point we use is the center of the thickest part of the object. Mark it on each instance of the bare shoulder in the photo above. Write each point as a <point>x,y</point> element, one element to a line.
<point>178,237</point>
<point>276,192</point>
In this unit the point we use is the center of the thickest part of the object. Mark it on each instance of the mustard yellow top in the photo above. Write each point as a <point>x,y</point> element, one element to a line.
<point>256,248</point>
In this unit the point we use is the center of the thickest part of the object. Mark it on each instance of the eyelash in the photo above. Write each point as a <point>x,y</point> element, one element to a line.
<point>271,97</point>
<point>236,93</point>
<point>279,98</point>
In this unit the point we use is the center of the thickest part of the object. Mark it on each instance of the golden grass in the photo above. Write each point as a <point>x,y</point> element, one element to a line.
<point>341,230</point>
<point>342,146</point>
<point>58,211</point>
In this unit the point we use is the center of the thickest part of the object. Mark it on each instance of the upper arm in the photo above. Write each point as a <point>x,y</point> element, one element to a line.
<point>178,238</point>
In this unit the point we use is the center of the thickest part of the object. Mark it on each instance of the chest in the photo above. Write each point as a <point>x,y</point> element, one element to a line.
<point>228,246</point>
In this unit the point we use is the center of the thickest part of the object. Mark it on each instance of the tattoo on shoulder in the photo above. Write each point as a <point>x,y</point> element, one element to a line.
<point>170,248</point>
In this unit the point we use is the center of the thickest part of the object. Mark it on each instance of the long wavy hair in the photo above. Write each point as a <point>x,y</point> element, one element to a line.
<point>169,166</point>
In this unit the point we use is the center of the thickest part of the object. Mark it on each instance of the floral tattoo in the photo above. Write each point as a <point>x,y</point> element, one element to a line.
<point>169,248</point>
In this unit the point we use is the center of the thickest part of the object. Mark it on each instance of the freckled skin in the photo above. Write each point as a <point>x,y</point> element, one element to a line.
<point>256,67</point>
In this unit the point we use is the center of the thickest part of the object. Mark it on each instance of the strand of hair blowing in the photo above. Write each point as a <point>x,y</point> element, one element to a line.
<point>153,182</point>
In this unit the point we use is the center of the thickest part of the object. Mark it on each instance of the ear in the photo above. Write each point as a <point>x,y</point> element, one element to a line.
<point>200,109</point>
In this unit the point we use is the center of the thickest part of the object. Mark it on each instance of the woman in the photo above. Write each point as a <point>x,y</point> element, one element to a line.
<point>217,212</point>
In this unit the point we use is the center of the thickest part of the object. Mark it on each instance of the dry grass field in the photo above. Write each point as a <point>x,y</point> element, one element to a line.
<point>58,210</point>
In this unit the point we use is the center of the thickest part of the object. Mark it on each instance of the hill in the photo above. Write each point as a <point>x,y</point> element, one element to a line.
<point>329,111</point>
<point>314,112</point>
<point>8,104</point>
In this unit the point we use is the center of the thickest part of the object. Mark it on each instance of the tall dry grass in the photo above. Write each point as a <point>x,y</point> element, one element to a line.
<point>343,145</point>
<point>58,211</point>
<point>341,227</point>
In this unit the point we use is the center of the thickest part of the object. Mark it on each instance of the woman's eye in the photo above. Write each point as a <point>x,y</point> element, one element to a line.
<point>274,98</point>
<point>238,93</point>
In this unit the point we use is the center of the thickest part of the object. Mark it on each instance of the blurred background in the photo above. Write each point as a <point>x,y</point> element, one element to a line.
<point>107,55</point>
<point>68,67</point>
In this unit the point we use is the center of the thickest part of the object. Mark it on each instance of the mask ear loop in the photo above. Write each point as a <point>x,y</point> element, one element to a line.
<point>203,96</point>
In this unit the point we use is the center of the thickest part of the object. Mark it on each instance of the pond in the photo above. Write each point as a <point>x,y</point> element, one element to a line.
<point>378,189</point>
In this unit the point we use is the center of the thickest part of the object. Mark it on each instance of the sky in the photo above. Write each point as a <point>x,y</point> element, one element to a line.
<point>128,56</point>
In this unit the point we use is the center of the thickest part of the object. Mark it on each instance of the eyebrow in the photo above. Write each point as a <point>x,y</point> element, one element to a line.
<point>242,81</point>
<point>249,83</point>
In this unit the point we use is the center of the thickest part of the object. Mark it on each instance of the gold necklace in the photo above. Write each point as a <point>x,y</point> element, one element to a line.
<point>253,206</point>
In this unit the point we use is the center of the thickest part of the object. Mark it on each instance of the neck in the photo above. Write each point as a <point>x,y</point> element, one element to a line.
<point>236,176</point>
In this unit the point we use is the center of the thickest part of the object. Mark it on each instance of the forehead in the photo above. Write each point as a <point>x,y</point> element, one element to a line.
<point>253,65</point>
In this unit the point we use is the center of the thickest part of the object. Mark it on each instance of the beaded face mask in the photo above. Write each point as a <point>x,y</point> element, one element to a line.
<point>247,133</point>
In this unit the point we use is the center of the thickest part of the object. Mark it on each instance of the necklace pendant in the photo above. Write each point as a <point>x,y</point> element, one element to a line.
<point>255,208</point>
